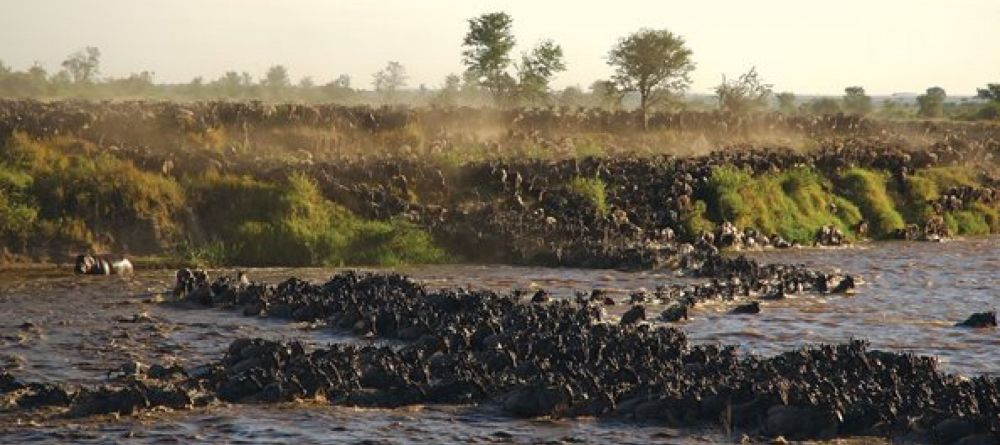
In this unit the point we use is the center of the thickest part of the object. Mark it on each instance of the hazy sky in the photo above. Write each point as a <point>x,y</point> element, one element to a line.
<point>798,45</point>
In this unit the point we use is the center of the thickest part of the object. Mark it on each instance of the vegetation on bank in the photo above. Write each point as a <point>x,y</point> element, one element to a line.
<point>796,203</point>
<point>63,195</point>
<point>592,190</point>
<point>60,196</point>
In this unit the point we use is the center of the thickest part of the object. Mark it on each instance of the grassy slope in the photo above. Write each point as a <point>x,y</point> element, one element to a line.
<point>796,203</point>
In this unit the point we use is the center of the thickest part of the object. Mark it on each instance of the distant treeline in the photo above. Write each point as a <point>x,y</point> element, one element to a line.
<point>651,72</point>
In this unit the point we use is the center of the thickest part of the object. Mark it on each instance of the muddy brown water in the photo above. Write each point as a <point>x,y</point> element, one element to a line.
<point>57,327</point>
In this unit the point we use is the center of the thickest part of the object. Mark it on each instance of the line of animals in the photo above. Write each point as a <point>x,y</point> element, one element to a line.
<point>533,357</point>
<point>72,117</point>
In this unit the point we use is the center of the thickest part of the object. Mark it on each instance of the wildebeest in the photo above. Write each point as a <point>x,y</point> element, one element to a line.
<point>103,265</point>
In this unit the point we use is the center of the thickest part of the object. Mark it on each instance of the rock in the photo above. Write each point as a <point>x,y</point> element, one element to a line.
<point>950,431</point>
<point>674,313</point>
<point>752,307</point>
<point>536,401</point>
<point>980,320</point>
<point>798,423</point>
<point>979,439</point>
<point>634,315</point>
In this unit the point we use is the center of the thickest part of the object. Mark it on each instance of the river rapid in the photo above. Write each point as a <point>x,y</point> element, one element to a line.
<point>57,327</point>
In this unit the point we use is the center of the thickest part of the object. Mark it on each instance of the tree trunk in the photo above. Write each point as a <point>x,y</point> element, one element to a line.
<point>642,106</point>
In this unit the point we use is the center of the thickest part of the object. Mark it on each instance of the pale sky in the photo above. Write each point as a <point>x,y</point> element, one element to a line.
<point>809,47</point>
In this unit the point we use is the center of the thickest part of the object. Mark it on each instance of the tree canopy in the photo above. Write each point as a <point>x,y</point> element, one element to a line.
<point>856,101</point>
<point>653,63</point>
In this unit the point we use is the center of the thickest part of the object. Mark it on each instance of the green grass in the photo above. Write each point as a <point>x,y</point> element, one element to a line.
<point>868,191</point>
<point>794,204</point>
<point>292,224</point>
<point>57,198</point>
<point>695,222</point>
<point>593,190</point>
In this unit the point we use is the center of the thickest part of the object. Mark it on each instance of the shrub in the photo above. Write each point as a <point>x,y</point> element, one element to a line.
<point>292,224</point>
<point>593,191</point>
<point>867,189</point>
<point>793,204</point>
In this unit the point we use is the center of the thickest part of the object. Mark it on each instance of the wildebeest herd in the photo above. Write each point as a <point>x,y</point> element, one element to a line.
<point>529,354</point>
<point>543,358</point>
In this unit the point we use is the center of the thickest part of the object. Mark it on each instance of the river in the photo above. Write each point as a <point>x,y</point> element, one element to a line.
<point>57,327</point>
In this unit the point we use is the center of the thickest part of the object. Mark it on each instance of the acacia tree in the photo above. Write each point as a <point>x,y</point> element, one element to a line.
<point>856,101</point>
<point>653,63</point>
<point>487,52</point>
<point>745,94</point>
<point>390,80</point>
<point>932,103</point>
<point>83,65</point>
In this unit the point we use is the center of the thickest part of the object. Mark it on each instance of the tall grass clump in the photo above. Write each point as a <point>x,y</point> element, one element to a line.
<point>593,190</point>
<point>794,204</point>
<point>867,189</point>
<point>83,201</point>
<point>292,224</point>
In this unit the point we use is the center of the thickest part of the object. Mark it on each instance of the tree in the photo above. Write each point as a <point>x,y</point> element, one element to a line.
<point>786,102</point>
<point>232,84</point>
<point>895,109</point>
<point>932,103</point>
<point>606,94</point>
<point>83,65</point>
<point>824,105</point>
<point>856,101</point>
<point>487,52</point>
<point>276,82</point>
<point>447,96</point>
<point>573,96</point>
<point>537,69</point>
<point>745,94</point>
<point>38,73</point>
<point>652,63</point>
<point>991,110</point>
<point>276,77</point>
<point>389,81</point>
<point>991,92</point>
<point>338,90</point>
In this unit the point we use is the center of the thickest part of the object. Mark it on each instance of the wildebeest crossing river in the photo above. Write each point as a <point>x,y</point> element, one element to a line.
<point>65,329</point>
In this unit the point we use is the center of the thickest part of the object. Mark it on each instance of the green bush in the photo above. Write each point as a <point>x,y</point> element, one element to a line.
<point>292,224</point>
<point>867,189</point>
<point>794,204</point>
<point>593,190</point>
<point>392,243</point>
<point>695,221</point>
<point>60,193</point>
